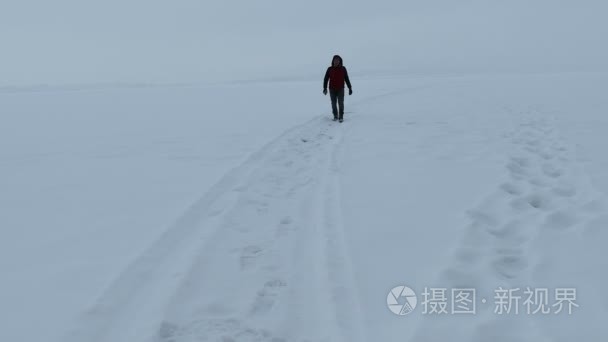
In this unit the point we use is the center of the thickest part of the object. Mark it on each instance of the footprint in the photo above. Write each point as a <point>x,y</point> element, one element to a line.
<point>538,182</point>
<point>511,189</point>
<point>517,141</point>
<point>546,131</point>
<point>520,204</point>
<point>217,208</point>
<point>561,220</point>
<point>546,155</point>
<point>509,232</point>
<point>551,171</point>
<point>215,212</point>
<point>267,296</point>
<point>521,161</point>
<point>559,148</point>
<point>536,201</point>
<point>539,201</point>
<point>533,142</point>
<point>168,331</point>
<point>516,169</point>
<point>249,256</point>
<point>509,266</point>
<point>467,255</point>
<point>284,227</point>
<point>533,150</point>
<point>259,204</point>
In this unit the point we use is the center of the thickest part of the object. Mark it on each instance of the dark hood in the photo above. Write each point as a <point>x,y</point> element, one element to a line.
<point>340,58</point>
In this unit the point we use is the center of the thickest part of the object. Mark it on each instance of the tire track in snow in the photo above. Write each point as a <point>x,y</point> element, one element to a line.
<point>349,315</point>
<point>295,286</point>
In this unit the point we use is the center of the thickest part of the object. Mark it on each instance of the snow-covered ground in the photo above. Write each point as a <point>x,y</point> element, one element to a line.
<point>241,212</point>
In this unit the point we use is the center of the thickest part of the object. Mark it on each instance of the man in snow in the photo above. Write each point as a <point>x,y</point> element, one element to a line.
<point>336,76</point>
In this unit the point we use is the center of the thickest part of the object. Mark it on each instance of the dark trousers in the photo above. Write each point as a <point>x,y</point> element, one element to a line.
<point>337,102</point>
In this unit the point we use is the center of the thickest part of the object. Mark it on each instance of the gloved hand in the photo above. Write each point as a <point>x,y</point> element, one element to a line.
<point>350,91</point>
<point>324,91</point>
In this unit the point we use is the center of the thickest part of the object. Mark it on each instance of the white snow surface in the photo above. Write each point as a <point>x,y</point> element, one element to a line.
<point>241,212</point>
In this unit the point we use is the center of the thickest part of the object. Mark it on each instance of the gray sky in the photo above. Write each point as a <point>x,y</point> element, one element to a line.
<point>74,41</point>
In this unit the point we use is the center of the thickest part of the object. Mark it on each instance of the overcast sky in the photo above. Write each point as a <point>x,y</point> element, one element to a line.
<point>79,41</point>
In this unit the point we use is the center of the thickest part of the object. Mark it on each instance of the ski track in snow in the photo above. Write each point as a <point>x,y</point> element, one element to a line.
<point>261,257</point>
<point>509,243</point>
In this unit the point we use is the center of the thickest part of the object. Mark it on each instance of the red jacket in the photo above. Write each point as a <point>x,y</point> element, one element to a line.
<point>336,76</point>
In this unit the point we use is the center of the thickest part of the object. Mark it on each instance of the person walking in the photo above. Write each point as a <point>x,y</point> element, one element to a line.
<point>335,76</point>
